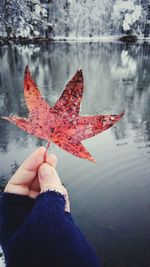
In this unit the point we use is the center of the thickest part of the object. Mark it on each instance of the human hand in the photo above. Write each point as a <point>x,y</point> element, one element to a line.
<point>35,176</point>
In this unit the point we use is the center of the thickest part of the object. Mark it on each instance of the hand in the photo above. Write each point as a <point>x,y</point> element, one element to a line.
<point>35,176</point>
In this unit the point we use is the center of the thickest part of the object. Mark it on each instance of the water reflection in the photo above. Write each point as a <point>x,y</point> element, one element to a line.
<point>113,195</point>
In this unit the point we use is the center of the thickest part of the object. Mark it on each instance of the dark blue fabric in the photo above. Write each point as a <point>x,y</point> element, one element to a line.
<point>39,233</point>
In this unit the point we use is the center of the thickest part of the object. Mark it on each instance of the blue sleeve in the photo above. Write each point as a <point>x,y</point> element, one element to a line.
<point>47,236</point>
<point>14,210</point>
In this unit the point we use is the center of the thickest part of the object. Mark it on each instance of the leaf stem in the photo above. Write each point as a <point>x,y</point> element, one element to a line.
<point>47,147</point>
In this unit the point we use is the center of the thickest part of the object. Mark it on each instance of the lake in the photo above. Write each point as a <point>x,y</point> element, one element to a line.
<point>110,200</point>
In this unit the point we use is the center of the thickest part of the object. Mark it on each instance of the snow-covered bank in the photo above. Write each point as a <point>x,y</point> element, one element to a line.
<point>35,40</point>
<point>102,38</point>
<point>39,40</point>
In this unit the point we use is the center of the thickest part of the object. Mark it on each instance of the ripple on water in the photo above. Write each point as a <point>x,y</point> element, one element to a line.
<point>110,200</point>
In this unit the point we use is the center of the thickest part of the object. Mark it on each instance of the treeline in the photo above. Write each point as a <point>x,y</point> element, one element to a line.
<point>27,19</point>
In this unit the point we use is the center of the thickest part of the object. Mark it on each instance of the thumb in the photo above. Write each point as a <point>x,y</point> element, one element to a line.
<point>49,179</point>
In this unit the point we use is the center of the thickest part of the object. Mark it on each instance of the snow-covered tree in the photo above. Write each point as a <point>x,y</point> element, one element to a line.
<point>25,18</point>
<point>2,24</point>
<point>146,23</point>
<point>81,18</point>
<point>73,18</point>
<point>39,17</point>
<point>127,16</point>
<point>58,17</point>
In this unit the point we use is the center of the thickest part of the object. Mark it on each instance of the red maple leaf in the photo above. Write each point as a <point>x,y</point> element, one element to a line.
<point>62,123</point>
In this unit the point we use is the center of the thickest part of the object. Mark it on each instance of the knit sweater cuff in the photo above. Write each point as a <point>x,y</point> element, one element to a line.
<point>14,200</point>
<point>50,201</point>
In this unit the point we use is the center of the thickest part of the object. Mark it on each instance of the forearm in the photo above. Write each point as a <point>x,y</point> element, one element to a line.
<point>49,237</point>
<point>14,210</point>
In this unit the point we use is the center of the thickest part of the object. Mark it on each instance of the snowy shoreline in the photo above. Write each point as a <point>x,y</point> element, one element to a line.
<point>38,40</point>
<point>23,40</point>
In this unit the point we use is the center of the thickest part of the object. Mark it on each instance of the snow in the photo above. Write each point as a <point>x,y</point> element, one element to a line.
<point>1,260</point>
<point>122,6</point>
<point>36,33</point>
<point>72,38</point>
<point>40,11</point>
<point>131,18</point>
<point>127,22</point>
<point>24,19</point>
<point>127,13</point>
<point>72,19</point>
<point>81,18</point>
<point>137,13</point>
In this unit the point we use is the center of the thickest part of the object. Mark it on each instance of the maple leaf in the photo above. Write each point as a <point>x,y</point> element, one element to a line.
<point>62,123</point>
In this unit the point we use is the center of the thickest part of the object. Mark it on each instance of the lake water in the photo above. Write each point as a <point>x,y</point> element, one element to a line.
<point>110,200</point>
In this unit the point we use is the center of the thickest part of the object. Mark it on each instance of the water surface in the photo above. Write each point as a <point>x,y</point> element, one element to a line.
<point>111,199</point>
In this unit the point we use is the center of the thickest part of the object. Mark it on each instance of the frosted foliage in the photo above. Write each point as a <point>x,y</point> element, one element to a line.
<point>81,19</point>
<point>127,13</point>
<point>2,26</point>
<point>24,18</point>
<point>73,18</point>
<point>137,13</point>
<point>122,6</point>
<point>40,11</point>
